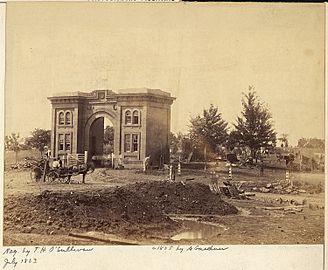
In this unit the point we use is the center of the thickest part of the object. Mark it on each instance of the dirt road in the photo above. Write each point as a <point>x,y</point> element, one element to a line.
<point>128,207</point>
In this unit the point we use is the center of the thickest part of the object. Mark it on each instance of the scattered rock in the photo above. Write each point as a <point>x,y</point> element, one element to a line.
<point>279,187</point>
<point>264,190</point>
<point>27,229</point>
<point>49,222</point>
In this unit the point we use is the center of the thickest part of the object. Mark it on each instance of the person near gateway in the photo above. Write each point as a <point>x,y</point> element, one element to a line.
<point>146,163</point>
<point>55,163</point>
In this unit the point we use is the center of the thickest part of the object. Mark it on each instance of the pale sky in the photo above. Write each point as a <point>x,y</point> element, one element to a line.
<point>202,53</point>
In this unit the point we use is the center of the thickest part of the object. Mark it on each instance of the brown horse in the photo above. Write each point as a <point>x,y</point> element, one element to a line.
<point>81,169</point>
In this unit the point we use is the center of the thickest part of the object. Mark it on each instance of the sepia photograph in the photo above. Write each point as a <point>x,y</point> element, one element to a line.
<point>164,124</point>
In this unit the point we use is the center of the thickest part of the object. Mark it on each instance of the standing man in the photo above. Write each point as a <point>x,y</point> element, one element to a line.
<point>262,168</point>
<point>46,163</point>
<point>146,164</point>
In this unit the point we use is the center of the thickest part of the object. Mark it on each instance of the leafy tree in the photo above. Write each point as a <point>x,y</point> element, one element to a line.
<point>254,128</point>
<point>233,140</point>
<point>109,135</point>
<point>284,140</point>
<point>12,144</point>
<point>209,130</point>
<point>39,139</point>
<point>174,143</point>
<point>311,143</point>
<point>109,140</point>
<point>186,147</point>
<point>181,143</point>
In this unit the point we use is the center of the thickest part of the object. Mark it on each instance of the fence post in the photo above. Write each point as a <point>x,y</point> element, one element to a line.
<point>144,165</point>
<point>230,172</point>
<point>85,157</point>
<point>179,169</point>
<point>171,173</point>
<point>287,177</point>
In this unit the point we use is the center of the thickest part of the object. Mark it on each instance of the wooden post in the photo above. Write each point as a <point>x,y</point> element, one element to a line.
<point>144,165</point>
<point>113,160</point>
<point>45,168</point>
<point>85,157</point>
<point>205,157</point>
<point>179,169</point>
<point>287,177</point>
<point>171,173</point>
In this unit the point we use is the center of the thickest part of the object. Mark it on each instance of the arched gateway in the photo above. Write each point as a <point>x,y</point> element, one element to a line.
<point>140,119</point>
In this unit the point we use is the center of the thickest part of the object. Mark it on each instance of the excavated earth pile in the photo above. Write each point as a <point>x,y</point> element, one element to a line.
<point>128,208</point>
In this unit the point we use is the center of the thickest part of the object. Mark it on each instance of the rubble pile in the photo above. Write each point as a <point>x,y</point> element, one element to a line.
<point>281,187</point>
<point>229,190</point>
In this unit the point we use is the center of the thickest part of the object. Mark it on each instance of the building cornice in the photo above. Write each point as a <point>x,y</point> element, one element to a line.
<point>110,97</point>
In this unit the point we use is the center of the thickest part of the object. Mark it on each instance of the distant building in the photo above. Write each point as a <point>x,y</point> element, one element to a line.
<point>140,117</point>
<point>307,155</point>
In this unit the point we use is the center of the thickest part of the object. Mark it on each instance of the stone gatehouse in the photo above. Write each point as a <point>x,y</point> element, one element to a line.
<point>140,118</point>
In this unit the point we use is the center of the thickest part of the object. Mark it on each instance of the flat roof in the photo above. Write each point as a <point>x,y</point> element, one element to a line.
<point>119,92</point>
<point>143,91</point>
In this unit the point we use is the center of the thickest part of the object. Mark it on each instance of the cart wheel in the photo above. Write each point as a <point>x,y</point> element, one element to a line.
<point>35,174</point>
<point>52,176</point>
<point>63,179</point>
<point>68,179</point>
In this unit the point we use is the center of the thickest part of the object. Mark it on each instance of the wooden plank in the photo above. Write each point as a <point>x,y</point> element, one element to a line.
<point>113,242</point>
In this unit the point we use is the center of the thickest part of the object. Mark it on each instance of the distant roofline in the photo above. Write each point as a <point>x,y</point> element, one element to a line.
<point>72,94</point>
<point>133,91</point>
<point>143,91</point>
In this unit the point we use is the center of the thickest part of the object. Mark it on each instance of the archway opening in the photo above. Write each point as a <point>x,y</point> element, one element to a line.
<point>101,142</point>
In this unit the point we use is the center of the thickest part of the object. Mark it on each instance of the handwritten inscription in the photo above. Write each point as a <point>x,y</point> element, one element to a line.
<point>12,257</point>
<point>181,249</point>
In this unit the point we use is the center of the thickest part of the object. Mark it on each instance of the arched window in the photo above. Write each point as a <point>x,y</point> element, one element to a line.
<point>61,120</point>
<point>128,118</point>
<point>68,118</point>
<point>135,117</point>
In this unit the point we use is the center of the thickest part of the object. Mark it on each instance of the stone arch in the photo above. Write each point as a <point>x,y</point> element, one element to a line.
<point>111,116</point>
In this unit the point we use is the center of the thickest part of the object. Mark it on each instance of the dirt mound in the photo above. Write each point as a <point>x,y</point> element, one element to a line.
<point>176,198</point>
<point>128,208</point>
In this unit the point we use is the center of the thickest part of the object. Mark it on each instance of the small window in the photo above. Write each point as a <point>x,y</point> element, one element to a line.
<point>67,141</point>
<point>135,117</point>
<point>135,142</point>
<point>102,95</point>
<point>128,117</point>
<point>127,143</point>
<point>61,142</point>
<point>67,118</point>
<point>61,120</point>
